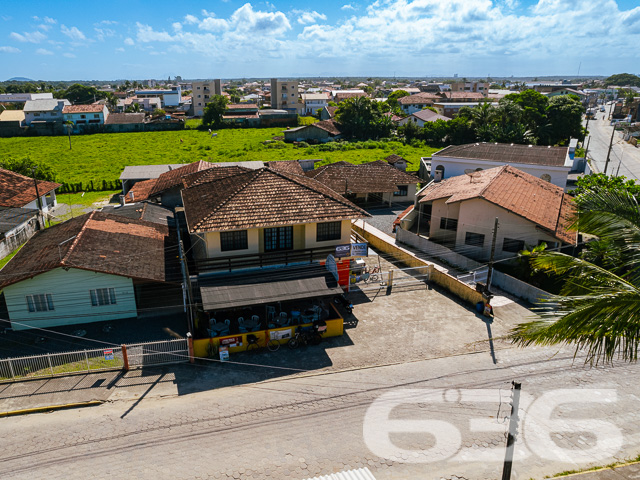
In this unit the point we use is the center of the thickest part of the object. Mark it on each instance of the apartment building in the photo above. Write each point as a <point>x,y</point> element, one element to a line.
<point>285,96</point>
<point>480,87</point>
<point>201,92</point>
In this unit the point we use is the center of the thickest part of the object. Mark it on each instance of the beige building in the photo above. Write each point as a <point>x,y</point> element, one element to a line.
<point>202,92</point>
<point>461,212</point>
<point>235,212</point>
<point>470,87</point>
<point>285,96</point>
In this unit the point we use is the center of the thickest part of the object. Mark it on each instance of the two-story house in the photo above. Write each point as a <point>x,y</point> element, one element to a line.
<point>44,111</point>
<point>314,102</point>
<point>84,115</point>
<point>461,213</point>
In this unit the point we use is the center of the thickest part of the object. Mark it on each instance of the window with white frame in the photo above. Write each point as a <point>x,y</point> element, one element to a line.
<point>103,296</point>
<point>42,302</point>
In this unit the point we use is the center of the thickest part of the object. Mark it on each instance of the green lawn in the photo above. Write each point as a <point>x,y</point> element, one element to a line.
<point>103,156</point>
<point>6,259</point>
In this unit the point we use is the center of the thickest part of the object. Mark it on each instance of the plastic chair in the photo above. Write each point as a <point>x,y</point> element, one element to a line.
<point>271,314</point>
<point>241,325</point>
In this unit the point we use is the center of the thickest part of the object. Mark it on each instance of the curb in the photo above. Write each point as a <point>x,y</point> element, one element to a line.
<point>64,406</point>
<point>601,469</point>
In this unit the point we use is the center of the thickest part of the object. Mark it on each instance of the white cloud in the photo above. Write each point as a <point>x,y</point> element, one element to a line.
<point>31,37</point>
<point>119,49</point>
<point>73,33</point>
<point>177,26</point>
<point>266,23</point>
<point>102,33</point>
<point>10,50</point>
<point>45,27</point>
<point>68,55</point>
<point>50,21</point>
<point>191,19</point>
<point>42,51</point>
<point>129,41</point>
<point>212,24</point>
<point>348,6</point>
<point>310,17</point>
<point>148,34</point>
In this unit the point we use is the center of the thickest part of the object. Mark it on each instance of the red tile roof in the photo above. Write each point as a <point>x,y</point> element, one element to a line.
<point>140,191</point>
<point>507,153</point>
<point>518,192</point>
<point>98,242</point>
<point>371,177</point>
<point>263,198</point>
<point>83,108</point>
<point>331,111</point>
<point>287,166</point>
<point>328,126</point>
<point>173,177</point>
<point>472,96</point>
<point>341,96</point>
<point>211,174</point>
<point>393,158</point>
<point>19,190</point>
<point>419,98</point>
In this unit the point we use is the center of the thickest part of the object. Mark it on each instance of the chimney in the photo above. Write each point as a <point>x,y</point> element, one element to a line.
<point>121,197</point>
<point>131,195</point>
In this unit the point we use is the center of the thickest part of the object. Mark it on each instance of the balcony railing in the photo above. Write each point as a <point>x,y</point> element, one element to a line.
<point>260,260</point>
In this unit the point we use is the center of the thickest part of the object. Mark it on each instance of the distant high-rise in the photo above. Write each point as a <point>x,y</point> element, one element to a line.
<point>201,94</point>
<point>285,96</point>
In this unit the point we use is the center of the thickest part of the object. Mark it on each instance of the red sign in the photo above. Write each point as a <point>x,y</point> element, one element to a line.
<point>230,340</point>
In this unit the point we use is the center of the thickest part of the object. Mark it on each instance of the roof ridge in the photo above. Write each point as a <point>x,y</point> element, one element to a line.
<point>256,174</point>
<point>66,257</point>
<point>338,197</point>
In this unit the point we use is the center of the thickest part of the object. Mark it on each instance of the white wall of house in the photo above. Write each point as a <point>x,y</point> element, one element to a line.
<point>311,232</point>
<point>47,201</point>
<point>70,293</point>
<point>84,118</point>
<point>454,167</point>
<point>478,216</point>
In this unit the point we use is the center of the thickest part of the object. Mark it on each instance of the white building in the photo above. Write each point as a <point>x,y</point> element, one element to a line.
<point>547,163</point>
<point>314,102</point>
<point>168,97</point>
<point>24,97</point>
<point>44,111</point>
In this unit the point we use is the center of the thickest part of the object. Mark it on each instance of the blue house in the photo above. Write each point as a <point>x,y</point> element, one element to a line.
<point>89,269</point>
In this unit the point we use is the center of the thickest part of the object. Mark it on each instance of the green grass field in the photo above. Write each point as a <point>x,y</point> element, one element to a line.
<point>104,156</point>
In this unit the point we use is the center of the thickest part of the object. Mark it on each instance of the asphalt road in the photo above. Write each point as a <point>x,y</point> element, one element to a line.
<point>303,426</point>
<point>624,158</point>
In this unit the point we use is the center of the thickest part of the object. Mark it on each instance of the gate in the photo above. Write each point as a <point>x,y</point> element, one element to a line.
<point>158,353</point>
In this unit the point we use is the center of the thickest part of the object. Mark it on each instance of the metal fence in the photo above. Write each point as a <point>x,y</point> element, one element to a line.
<point>158,353</point>
<point>86,361</point>
<point>59,364</point>
<point>474,277</point>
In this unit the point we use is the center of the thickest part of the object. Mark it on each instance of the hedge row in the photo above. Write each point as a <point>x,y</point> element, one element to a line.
<point>90,186</point>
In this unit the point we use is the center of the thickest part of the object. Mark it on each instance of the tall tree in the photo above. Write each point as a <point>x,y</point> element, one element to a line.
<point>213,111</point>
<point>598,308</point>
<point>564,113</point>
<point>363,118</point>
<point>29,167</point>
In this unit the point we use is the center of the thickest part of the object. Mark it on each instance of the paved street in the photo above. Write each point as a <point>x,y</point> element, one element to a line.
<point>298,427</point>
<point>624,159</point>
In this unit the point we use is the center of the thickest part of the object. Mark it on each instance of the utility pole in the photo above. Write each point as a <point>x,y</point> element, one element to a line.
<point>513,427</point>
<point>38,201</point>
<point>493,251</point>
<point>606,163</point>
<point>586,150</point>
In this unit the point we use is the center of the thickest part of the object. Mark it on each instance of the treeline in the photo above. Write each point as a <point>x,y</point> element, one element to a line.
<point>90,186</point>
<point>526,118</point>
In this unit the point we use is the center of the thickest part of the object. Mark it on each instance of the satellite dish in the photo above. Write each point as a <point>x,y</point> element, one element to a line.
<point>471,173</point>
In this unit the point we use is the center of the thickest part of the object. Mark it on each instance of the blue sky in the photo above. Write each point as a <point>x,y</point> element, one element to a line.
<point>67,40</point>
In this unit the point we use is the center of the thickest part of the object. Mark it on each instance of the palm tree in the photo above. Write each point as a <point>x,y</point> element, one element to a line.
<point>598,308</point>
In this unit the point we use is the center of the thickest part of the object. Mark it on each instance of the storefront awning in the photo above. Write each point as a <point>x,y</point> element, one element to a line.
<point>269,289</point>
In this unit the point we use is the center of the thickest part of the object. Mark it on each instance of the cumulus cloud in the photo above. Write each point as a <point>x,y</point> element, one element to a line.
<point>10,50</point>
<point>191,19</point>
<point>348,6</point>
<point>306,18</point>
<point>31,37</point>
<point>68,55</point>
<point>119,49</point>
<point>43,51</point>
<point>129,41</point>
<point>73,33</point>
<point>51,21</point>
<point>177,26</point>
<point>102,33</point>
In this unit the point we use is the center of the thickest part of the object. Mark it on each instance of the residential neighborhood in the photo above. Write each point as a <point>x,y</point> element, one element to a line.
<point>374,241</point>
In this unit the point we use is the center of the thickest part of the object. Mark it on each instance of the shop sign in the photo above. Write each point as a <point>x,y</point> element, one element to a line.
<point>343,251</point>
<point>224,354</point>
<point>280,334</point>
<point>359,250</point>
<point>108,354</point>
<point>231,341</point>
<point>332,266</point>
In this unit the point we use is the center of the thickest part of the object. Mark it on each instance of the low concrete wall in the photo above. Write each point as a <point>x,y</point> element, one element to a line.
<point>384,243</point>
<point>518,288</point>
<point>436,250</point>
